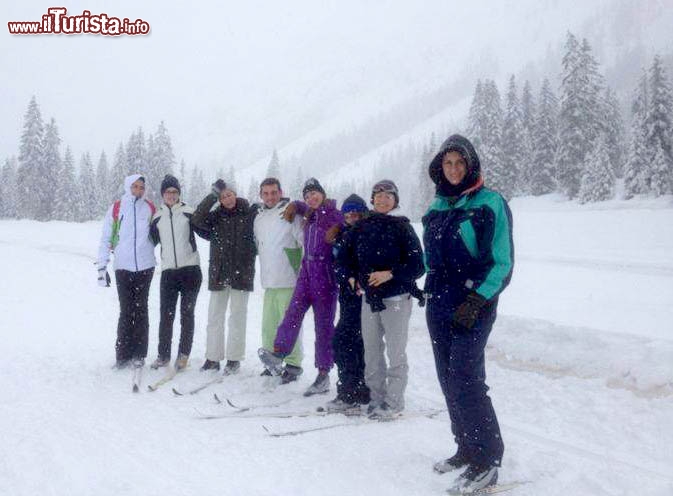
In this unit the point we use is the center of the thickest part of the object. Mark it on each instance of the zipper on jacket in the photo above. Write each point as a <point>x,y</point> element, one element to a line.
<point>315,236</point>
<point>308,238</point>
<point>175,252</point>
<point>135,234</point>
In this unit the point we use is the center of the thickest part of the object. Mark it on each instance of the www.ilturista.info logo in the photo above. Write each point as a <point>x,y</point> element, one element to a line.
<point>55,21</point>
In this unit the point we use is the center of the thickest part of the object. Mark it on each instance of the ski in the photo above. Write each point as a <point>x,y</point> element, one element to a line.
<point>364,421</point>
<point>495,489</point>
<point>167,378</point>
<point>246,408</point>
<point>299,432</point>
<point>137,378</point>
<point>249,414</point>
<point>200,388</point>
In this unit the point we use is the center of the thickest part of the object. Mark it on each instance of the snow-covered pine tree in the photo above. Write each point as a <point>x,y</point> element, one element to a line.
<point>161,160</point>
<point>660,167</point>
<point>192,194</point>
<point>637,169</point>
<point>102,181</point>
<point>51,170</point>
<point>476,117</point>
<point>496,175</point>
<point>528,116</point>
<point>88,192</point>
<point>273,169</point>
<point>136,154</point>
<point>231,180</point>
<point>118,174</point>
<point>545,143</point>
<point>294,192</point>
<point>9,189</point>
<point>30,163</point>
<point>350,187</point>
<point>152,173</point>
<point>164,147</point>
<point>593,90</point>
<point>597,183</point>
<point>184,184</point>
<point>513,138</point>
<point>197,186</point>
<point>424,190</point>
<point>253,191</point>
<point>613,127</point>
<point>659,128</point>
<point>528,108</point>
<point>67,201</point>
<point>573,136</point>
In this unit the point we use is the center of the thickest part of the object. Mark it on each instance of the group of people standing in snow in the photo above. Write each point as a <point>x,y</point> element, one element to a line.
<point>312,255</point>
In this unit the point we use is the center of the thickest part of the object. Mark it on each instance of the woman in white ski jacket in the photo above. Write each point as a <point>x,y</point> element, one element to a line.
<point>126,233</point>
<point>180,272</point>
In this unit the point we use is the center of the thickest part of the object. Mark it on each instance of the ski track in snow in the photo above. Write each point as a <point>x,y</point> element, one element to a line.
<point>584,410</point>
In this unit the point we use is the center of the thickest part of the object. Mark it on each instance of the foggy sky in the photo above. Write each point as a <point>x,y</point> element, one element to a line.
<point>233,80</point>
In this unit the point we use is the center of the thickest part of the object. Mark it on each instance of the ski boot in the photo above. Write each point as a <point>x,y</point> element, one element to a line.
<point>320,385</point>
<point>476,478</point>
<point>232,367</point>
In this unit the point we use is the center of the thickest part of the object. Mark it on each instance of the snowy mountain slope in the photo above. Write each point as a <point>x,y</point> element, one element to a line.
<point>625,35</point>
<point>583,392</point>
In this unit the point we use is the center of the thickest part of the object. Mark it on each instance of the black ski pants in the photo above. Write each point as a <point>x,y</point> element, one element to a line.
<point>460,363</point>
<point>133,289</point>
<point>184,282</point>
<point>349,352</point>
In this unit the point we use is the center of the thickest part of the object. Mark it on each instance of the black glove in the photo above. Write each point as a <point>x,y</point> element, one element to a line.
<point>418,294</point>
<point>218,187</point>
<point>375,301</point>
<point>468,311</point>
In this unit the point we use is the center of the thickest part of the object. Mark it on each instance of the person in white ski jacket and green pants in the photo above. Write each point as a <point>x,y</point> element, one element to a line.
<point>279,248</point>
<point>126,232</point>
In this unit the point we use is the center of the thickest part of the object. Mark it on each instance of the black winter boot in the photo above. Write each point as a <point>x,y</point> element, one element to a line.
<point>210,365</point>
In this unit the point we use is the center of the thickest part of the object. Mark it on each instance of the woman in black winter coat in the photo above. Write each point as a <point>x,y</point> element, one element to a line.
<point>385,258</point>
<point>231,272</point>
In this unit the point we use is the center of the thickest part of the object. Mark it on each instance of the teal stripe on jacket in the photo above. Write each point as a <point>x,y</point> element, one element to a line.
<point>501,244</point>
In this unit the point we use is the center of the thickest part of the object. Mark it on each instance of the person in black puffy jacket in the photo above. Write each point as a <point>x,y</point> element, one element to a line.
<point>384,255</point>
<point>231,271</point>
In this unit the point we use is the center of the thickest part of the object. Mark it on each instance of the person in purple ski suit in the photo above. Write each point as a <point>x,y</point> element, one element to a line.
<point>316,287</point>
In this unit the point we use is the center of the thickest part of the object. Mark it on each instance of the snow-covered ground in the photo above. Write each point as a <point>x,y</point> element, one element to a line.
<point>580,366</point>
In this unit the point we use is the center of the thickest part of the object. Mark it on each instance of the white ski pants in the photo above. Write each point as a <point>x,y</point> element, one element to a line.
<point>238,314</point>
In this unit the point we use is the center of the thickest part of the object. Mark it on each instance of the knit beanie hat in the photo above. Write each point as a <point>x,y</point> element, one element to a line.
<point>312,184</point>
<point>169,182</point>
<point>386,186</point>
<point>353,204</point>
